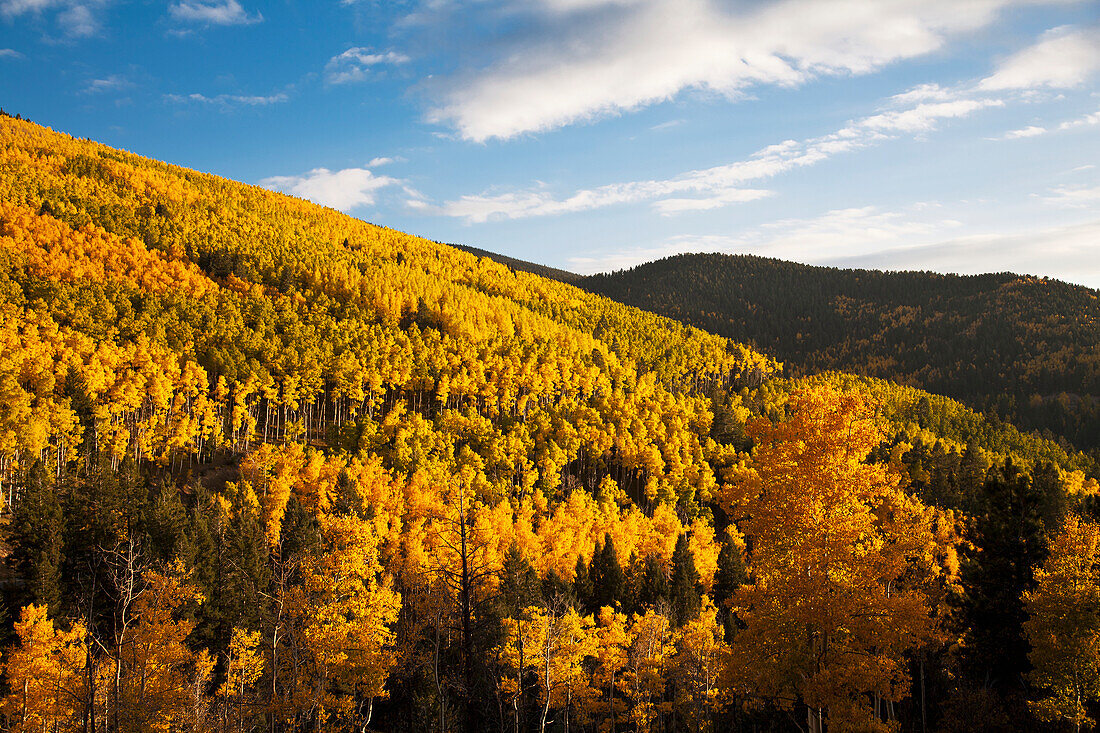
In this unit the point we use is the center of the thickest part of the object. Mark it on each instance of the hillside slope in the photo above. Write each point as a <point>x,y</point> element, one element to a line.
<point>427,469</point>
<point>1020,347</point>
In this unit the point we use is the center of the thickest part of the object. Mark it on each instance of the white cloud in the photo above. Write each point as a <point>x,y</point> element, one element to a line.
<point>18,7</point>
<point>229,100</point>
<point>112,83</point>
<point>910,239</point>
<point>924,93</point>
<point>1068,253</point>
<point>717,186</point>
<point>10,53</point>
<point>923,117</point>
<point>841,232</point>
<point>1074,197</point>
<point>1063,57</point>
<point>354,65</point>
<point>375,162</point>
<point>1029,131</point>
<point>583,59</point>
<point>343,189</point>
<point>225,12</point>
<point>76,18</point>
<point>1086,121</point>
<point>667,125</point>
<point>670,206</point>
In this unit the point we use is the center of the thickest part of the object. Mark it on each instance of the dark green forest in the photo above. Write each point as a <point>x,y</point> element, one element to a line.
<point>1020,348</point>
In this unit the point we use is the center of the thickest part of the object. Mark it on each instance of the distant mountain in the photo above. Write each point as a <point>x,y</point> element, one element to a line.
<point>1022,348</point>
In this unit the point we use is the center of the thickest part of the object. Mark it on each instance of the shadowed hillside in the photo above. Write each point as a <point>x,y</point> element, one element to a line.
<point>1020,347</point>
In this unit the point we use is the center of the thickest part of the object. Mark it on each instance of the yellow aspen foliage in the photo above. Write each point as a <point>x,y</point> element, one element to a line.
<point>701,653</point>
<point>1063,625</point>
<point>829,615</point>
<point>646,675</point>
<point>341,616</point>
<point>552,643</point>
<point>44,672</point>
<point>612,657</point>
<point>244,664</point>
<point>159,669</point>
<point>271,473</point>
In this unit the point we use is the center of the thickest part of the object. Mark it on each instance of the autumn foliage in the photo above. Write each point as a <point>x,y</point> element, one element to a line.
<point>267,467</point>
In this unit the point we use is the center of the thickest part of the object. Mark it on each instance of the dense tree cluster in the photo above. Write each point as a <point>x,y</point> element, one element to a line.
<point>266,467</point>
<point>1021,348</point>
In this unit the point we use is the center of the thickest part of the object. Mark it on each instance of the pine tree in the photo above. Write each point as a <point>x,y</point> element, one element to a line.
<point>519,583</point>
<point>654,591</point>
<point>37,537</point>
<point>684,591</point>
<point>730,576</point>
<point>608,580</point>
<point>582,586</point>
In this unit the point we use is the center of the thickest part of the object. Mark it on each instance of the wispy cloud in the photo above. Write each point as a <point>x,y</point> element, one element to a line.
<point>75,18</point>
<point>1074,197</point>
<point>355,64</point>
<point>345,189</point>
<point>10,53</point>
<point>835,233</point>
<point>1086,121</point>
<point>225,12</point>
<point>585,59</point>
<point>721,185</point>
<point>1065,252</point>
<point>667,125</point>
<point>229,100</point>
<point>1064,57</point>
<point>1029,131</point>
<point>914,238</point>
<point>112,83</point>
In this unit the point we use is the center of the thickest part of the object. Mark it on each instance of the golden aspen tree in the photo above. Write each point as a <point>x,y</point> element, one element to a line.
<point>243,666</point>
<point>341,614</point>
<point>44,672</point>
<point>158,668</point>
<point>828,618</point>
<point>1064,625</point>
<point>612,657</point>
<point>701,652</point>
<point>646,674</point>
<point>551,642</point>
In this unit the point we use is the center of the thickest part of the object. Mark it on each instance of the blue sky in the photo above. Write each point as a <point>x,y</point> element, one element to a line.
<point>949,135</point>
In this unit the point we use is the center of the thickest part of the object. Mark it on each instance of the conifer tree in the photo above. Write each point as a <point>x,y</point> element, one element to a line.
<point>582,585</point>
<point>37,536</point>
<point>730,576</point>
<point>684,591</point>
<point>608,580</point>
<point>653,591</point>
<point>519,583</point>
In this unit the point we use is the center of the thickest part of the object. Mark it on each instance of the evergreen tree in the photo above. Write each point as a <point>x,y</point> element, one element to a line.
<point>729,576</point>
<point>608,580</point>
<point>653,590</point>
<point>1012,543</point>
<point>685,593</point>
<point>37,535</point>
<point>166,521</point>
<point>519,583</point>
<point>582,587</point>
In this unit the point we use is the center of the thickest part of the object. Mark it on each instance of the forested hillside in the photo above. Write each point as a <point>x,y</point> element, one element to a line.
<point>268,467</point>
<point>1022,348</point>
